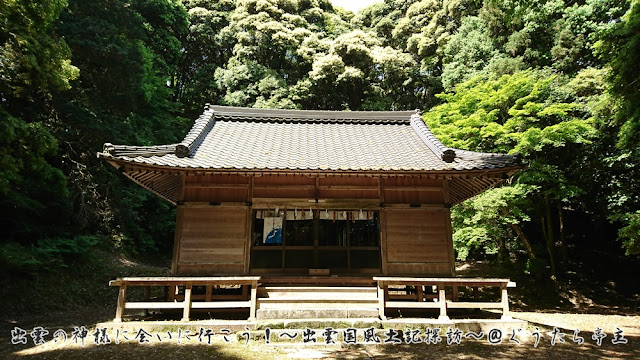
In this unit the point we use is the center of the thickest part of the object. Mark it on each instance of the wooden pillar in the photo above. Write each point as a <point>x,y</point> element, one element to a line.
<point>381,300</point>
<point>505,303</point>
<point>254,299</point>
<point>455,293</point>
<point>122,293</point>
<point>187,303</point>
<point>207,294</point>
<point>420,293</point>
<point>442,301</point>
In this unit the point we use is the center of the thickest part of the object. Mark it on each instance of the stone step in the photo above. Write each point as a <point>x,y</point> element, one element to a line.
<point>319,304</point>
<point>317,313</point>
<point>317,301</point>
<point>308,293</point>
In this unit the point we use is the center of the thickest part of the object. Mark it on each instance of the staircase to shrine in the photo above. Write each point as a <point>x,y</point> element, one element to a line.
<point>317,302</point>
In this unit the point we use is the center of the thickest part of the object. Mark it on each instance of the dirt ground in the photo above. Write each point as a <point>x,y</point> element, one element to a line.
<point>578,302</point>
<point>161,346</point>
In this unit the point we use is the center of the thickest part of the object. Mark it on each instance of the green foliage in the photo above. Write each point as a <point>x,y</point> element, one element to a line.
<point>526,113</point>
<point>48,255</point>
<point>496,76</point>
<point>486,220</point>
<point>532,113</point>
<point>619,48</point>
<point>31,56</point>
<point>630,232</point>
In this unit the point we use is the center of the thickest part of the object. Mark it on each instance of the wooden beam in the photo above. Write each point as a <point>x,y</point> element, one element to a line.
<point>412,188</point>
<point>284,187</point>
<point>181,280</point>
<point>154,305</point>
<point>206,185</point>
<point>348,187</point>
<point>422,206</point>
<point>384,259</point>
<point>220,304</point>
<point>247,239</point>
<point>176,240</point>
<point>305,203</point>
<point>413,305</point>
<point>203,204</point>
<point>474,305</point>
<point>450,251</point>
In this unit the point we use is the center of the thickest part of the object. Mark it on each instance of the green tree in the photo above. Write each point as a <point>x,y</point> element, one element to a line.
<point>34,63</point>
<point>619,46</point>
<point>128,53</point>
<point>538,116</point>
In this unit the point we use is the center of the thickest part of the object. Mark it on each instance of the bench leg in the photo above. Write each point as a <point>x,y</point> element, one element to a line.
<point>442,300</point>
<point>506,315</point>
<point>187,303</point>
<point>254,300</point>
<point>381,300</point>
<point>122,294</point>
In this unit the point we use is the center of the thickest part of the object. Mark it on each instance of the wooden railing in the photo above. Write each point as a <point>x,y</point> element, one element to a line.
<point>386,301</point>
<point>187,303</point>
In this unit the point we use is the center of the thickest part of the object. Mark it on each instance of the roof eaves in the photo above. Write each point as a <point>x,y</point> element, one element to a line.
<point>499,160</point>
<point>109,149</point>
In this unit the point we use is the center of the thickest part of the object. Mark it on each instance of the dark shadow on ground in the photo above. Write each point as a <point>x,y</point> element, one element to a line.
<point>482,349</point>
<point>131,351</point>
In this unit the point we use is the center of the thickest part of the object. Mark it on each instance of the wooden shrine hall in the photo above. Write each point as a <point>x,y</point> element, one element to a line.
<point>345,198</point>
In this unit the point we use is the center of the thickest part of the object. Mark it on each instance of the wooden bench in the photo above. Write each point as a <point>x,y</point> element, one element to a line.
<point>187,304</point>
<point>419,302</point>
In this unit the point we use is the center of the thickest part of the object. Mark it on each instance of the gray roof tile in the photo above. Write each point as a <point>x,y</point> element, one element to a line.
<point>260,139</point>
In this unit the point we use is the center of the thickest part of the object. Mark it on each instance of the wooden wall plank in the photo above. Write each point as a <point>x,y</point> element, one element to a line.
<point>417,241</point>
<point>422,269</point>
<point>208,269</point>
<point>212,241</point>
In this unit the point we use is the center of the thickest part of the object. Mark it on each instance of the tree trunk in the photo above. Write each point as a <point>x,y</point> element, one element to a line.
<point>521,235</point>
<point>563,239</point>
<point>549,234</point>
<point>503,255</point>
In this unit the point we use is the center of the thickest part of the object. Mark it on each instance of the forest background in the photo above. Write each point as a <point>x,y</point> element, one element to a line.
<point>556,81</point>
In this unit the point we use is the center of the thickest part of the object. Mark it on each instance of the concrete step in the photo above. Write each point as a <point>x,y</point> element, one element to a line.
<point>310,302</point>
<point>317,293</point>
<point>317,313</point>
<point>321,304</point>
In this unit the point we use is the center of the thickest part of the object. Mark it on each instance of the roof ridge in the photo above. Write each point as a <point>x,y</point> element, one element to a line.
<point>277,115</point>
<point>445,153</point>
<point>197,133</point>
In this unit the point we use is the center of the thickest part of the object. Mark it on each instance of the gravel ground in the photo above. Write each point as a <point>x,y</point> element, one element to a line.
<point>467,349</point>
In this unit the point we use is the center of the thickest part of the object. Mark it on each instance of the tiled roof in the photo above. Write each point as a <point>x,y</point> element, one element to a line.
<point>228,138</point>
